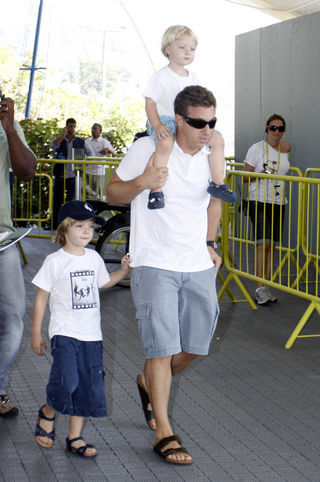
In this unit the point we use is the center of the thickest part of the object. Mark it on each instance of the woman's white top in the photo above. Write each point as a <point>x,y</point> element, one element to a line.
<point>267,190</point>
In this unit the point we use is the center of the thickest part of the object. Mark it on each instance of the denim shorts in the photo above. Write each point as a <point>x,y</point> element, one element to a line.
<point>76,381</point>
<point>165,120</point>
<point>175,311</point>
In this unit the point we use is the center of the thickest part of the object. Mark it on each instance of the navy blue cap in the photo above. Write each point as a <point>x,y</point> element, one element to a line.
<point>80,211</point>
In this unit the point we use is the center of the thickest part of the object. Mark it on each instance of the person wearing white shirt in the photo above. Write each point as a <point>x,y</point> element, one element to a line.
<point>101,148</point>
<point>178,46</point>
<point>173,258</point>
<point>69,281</point>
<point>267,199</point>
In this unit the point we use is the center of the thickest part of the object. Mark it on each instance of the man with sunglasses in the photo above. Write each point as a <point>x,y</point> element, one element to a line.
<point>174,259</point>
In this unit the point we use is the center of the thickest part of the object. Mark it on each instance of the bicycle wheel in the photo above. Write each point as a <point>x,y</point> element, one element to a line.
<point>114,243</point>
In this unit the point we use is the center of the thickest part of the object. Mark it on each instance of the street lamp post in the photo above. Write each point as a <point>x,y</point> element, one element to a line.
<point>33,67</point>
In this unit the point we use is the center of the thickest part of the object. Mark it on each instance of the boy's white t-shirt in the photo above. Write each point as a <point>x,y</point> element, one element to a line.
<point>73,283</point>
<point>173,238</point>
<point>164,86</point>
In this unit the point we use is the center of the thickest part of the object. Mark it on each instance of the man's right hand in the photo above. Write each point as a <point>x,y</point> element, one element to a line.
<point>7,113</point>
<point>154,177</point>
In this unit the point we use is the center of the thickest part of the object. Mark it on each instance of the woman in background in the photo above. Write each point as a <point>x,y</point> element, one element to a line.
<point>267,198</point>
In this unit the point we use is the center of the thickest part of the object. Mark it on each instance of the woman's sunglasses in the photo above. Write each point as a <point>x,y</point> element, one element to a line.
<point>200,123</point>
<point>276,128</point>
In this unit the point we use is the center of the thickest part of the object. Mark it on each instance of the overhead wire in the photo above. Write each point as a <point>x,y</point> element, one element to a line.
<point>138,32</point>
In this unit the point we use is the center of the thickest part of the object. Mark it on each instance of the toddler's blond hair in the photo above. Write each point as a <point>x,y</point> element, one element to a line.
<point>173,33</point>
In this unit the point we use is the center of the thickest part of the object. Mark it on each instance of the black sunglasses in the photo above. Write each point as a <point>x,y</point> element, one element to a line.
<point>276,128</point>
<point>200,123</point>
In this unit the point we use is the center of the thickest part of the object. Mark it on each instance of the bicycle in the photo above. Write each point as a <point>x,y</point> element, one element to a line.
<point>114,235</point>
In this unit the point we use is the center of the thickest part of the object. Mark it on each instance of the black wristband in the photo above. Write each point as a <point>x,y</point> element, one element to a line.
<point>212,244</point>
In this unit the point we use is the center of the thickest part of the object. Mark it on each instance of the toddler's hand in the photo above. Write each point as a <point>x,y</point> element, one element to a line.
<point>38,344</point>
<point>125,260</point>
<point>162,132</point>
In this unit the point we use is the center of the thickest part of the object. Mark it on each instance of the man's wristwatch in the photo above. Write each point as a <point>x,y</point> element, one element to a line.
<point>212,244</point>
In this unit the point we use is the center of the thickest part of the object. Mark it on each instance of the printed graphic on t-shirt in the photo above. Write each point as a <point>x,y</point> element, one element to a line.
<point>83,291</point>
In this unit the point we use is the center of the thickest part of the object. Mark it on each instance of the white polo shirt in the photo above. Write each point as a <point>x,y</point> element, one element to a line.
<point>173,238</point>
<point>97,145</point>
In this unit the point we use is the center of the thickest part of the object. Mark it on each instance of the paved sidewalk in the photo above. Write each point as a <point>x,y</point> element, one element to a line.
<point>248,412</point>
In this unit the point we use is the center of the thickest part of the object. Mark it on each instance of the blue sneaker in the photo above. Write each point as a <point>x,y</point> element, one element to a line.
<point>156,200</point>
<point>222,191</point>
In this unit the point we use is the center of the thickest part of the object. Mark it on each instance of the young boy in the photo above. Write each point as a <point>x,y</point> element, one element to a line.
<point>70,279</point>
<point>178,45</point>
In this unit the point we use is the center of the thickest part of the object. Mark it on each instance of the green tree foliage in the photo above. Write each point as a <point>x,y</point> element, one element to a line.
<point>39,134</point>
<point>11,77</point>
<point>116,141</point>
<point>78,98</point>
<point>126,119</point>
<point>90,76</point>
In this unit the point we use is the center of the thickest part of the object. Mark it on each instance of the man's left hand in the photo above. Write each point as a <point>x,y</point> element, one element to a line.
<point>215,258</point>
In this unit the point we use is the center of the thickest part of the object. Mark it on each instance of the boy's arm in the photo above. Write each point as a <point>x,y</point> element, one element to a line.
<point>161,131</point>
<point>152,113</point>
<point>117,276</point>
<point>39,307</point>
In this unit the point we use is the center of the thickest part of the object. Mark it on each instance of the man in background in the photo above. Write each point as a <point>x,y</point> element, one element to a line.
<point>96,182</point>
<point>64,177</point>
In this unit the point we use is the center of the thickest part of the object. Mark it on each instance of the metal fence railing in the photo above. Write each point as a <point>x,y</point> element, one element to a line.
<point>33,200</point>
<point>295,260</point>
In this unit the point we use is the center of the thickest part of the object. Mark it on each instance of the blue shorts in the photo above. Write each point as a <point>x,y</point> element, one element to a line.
<point>175,311</point>
<point>76,381</point>
<point>165,120</point>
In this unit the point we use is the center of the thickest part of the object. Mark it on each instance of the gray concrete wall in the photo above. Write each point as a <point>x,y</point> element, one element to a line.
<point>277,70</point>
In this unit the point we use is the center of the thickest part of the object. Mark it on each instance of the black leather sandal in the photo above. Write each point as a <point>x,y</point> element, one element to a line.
<point>148,414</point>
<point>165,453</point>
<point>81,451</point>
<point>40,432</point>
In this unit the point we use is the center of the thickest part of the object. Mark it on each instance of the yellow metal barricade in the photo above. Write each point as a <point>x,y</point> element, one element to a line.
<point>311,214</point>
<point>33,200</point>
<point>298,245</point>
<point>295,261</point>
